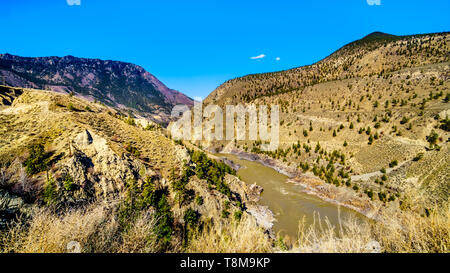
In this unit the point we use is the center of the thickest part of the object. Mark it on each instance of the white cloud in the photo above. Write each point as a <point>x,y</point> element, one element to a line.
<point>277,58</point>
<point>73,2</point>
<point>374,2</point>
<point>258,57</point>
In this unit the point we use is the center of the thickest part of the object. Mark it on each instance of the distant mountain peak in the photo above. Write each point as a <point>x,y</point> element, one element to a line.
<point>115,83</point>
<point>378,34</point>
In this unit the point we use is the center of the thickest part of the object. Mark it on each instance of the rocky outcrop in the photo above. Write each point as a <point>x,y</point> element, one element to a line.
<point>11,206</point>
<point>97,171</point>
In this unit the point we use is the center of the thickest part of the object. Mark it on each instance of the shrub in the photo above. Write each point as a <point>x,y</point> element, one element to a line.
<point>404,120</point>
<point>37,161</point>
<point>165,220</point>
<point>71,107</point>
<point>418,157</point>
<point>225,213</point>
<point>370,194</point>
<point>132,150</point>
<point>211,170</point>
<point>130,121</point>
<point>50,191</point>
<point>382,196</point>
<point>304,166</point>
<point>191,218</point>
<point>237,215</point>
<point>68,183</point>
<point>393,163</point>
<point>432,139</point>
<point>199,200</point>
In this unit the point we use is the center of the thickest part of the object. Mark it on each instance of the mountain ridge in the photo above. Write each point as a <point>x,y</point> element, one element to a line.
<point>115,83</point>
<point>341,60</point>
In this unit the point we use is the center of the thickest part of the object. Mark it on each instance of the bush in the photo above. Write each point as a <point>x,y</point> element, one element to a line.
<point>418,157</point>
<point>225,213</point>
<point>199,200</point>
<point>68,183</point>
<point>404,120</point>
<point>138,201</point>
<point>237,215</point>
<point>132,150</point>
<point>130,121</point>
<point>382,196</point>
<point>50,191</point>
<point>370,194</point>
<point>71,107</point>
<point>191,218</point>
<point>165,221</point>
<point>305,133</point>
<point>212,171</point>
<point>393,163</point>
<point>37,161</point>
<point>432,139</point>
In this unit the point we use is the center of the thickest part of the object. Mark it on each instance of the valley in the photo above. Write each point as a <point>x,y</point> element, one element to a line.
<point>363,156</point>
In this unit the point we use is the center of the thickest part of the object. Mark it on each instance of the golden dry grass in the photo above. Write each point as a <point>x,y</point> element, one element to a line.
<point>95,229</point>
<point>395,232</point>
<point>237,237</point>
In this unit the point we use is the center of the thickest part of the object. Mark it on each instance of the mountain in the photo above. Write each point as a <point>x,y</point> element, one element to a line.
<point>67,162</point>
<point>114,83</point>
<point>366,126</point>
<point>376,54</point>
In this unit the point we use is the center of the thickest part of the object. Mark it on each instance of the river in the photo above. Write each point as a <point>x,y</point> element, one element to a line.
<point>287,201</point>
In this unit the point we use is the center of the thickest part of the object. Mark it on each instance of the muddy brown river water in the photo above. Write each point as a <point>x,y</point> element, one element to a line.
<point>287,201</point>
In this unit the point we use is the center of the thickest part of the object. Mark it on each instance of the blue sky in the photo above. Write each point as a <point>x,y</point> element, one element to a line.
<point>194,46</point>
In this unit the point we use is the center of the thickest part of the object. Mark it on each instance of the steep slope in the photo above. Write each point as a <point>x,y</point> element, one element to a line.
<point>375,54</point>
<point>114,83</point>
<point>61,152</point>
<point>368,124</point>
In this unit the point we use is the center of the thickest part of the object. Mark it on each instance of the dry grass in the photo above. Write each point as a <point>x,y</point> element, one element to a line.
<point>237,237</point>
<point>351,237</point>
<point>410,232</point>
<point>96,229</point>
<point>140,238</point>
<point>404,232</point>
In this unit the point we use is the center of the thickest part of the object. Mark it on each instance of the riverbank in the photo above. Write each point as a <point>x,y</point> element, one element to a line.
<point>312,185</point>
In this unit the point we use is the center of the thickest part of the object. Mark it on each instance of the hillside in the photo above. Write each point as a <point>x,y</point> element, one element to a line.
<point>366,125</point>
<point>66,162</point>
<point>377,54</point>
<point>114,83</point>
